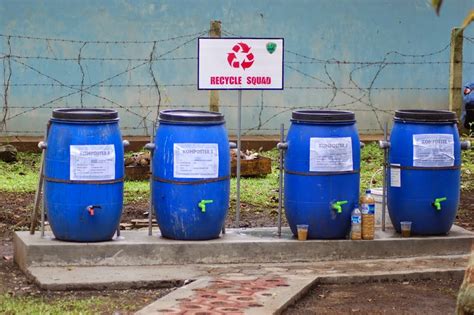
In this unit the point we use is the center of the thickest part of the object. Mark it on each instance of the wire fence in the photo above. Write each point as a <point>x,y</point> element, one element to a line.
<point>139,78</point>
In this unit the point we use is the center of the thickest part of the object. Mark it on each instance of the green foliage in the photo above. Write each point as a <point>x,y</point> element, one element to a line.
<point>136,191</point>
<point>467,169</point>
<point>22,176</point>
<point>36,305</point>
<point>261,191</point>
<point>371,166</point>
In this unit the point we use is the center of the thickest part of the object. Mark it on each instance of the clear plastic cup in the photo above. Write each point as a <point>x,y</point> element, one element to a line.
<point>406,228</point>
<point>302,232</point>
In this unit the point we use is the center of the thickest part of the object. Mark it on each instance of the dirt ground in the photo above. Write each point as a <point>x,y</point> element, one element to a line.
<point>465,215</point>
<point>433,297</point>
<point>419,297</point>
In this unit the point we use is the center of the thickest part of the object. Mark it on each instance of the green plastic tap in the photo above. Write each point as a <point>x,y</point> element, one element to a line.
<point>202,204</point>
<point>338,205</point>
<point>437,203</point>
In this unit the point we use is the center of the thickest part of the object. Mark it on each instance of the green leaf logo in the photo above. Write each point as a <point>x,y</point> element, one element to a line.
<point>271,47</point>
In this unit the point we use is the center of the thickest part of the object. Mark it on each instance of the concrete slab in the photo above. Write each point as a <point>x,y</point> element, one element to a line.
<point>261,245</point>
<point>232,295</point>
<point>110,277</point>
<point>238,289</point>
<point>119,277</point>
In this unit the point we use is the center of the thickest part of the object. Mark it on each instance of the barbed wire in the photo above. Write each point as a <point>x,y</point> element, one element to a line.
<point>125,128</point>
<point>102,59</point>
<point>105,42</point>
<point>83,89</point>
<point>168,106</point>
<point>354,94</point>
<point>291,87</point>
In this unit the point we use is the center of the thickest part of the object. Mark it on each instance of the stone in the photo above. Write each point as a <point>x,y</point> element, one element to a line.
<point>8,153</point>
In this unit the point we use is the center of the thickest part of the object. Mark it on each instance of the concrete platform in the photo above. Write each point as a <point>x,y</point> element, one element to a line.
<point>271,288</point>
<point>136,248</point>
<point>122,277</point>
<point>246,271</point>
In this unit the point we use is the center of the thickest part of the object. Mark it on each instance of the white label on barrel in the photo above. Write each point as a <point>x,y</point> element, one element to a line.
<point>196,160</point>
<point>330,154</point>
<point>433,150</point>
<point>395,176</point>
<point>92,162</point>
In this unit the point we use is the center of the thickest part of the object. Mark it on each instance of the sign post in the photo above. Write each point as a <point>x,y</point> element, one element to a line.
<point>240,64</point>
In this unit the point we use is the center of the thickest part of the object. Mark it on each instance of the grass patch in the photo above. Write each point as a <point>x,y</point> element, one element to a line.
<point>371,167</point>
<point>22,176</point>
<point>260,191</point>
<point>136,191</point>
<point>69,305</point>
<point>467,170</point>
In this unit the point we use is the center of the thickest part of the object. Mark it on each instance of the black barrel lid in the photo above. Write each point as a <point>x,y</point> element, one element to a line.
<point>191,116</point>
<point>323,116</point>
<point>422,115</point>
<point>85,114</point>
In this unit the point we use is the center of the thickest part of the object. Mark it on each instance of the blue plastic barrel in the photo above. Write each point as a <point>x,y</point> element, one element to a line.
<point>191,174</point>
<point>424,176</point>
<point>322,165</point>
<point>84,172</point>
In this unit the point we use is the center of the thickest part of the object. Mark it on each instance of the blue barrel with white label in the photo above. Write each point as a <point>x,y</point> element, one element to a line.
<point>191,174</point>
<point>83,174</point>
<point>424,176</point>
<point>322,164</point>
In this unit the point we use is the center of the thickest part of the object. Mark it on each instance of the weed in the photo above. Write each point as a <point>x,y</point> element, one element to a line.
<point>36,305</point>
<point>22,176</point>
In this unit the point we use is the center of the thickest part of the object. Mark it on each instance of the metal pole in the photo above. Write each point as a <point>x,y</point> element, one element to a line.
<point>384,187</point>
<point>150,209</point>
<point>39,187</point>
<point>43,204</point>
<point>239,148</point>
<point>42,210</point>
<point>280,189</point>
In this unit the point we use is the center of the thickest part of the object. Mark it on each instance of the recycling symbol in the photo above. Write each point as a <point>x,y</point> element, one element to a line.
<point>240,56</point>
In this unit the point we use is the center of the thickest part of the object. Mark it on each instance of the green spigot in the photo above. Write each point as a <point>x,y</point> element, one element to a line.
<point>338,205</point>
<point>202,204</point>
<point>437,203</point>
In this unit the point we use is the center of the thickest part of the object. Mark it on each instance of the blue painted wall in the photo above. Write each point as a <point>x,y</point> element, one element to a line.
<point>339,48</point>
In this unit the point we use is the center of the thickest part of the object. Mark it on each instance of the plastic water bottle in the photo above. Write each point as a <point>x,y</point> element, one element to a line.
<point>367,204</point>
<point>356,224</point>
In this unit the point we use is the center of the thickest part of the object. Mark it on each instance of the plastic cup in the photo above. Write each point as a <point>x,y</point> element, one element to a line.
<point>302,232</point>
<point>406,228</point>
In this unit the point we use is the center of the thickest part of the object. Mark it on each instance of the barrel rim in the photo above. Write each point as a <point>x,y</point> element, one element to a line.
<point>323,116</point>
<point>191,116</point>
<point>85,114</point>
<point>425,115</point>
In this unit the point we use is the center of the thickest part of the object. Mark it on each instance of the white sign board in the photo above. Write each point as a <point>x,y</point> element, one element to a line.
<point>240,63</point>
<point>433,150</point>
<point>195,160</point>
<point>92,162</point>
<point>330,154</point>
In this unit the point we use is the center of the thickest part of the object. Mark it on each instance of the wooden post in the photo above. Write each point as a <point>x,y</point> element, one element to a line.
<point>215,32</point>
<point>455,71</point>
